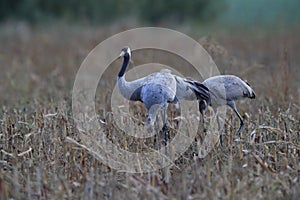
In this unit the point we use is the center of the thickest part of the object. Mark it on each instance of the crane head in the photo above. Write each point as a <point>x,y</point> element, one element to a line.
<point>125,52</point>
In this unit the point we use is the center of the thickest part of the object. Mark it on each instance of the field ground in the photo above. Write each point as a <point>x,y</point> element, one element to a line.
<point>39,161</point>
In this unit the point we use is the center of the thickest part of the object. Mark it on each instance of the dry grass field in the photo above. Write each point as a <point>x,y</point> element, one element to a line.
<point>39,161</point>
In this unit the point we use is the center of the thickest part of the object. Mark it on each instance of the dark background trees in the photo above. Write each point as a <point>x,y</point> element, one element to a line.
<point>106,11</point>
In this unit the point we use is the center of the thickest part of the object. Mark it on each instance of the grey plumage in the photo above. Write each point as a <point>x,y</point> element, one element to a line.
<point>159,89</point>
<point>224,90</point>
<point>156,90</point>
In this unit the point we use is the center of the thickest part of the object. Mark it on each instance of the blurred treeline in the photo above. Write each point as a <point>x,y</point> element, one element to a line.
<point>107,11</point>
<point>262,13</point>
<point>154,12</point>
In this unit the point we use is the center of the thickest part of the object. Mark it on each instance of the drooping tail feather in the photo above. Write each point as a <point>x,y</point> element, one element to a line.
<point>201,91</point>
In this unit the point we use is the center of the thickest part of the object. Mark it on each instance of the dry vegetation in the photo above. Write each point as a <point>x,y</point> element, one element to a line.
<point>38,161</point>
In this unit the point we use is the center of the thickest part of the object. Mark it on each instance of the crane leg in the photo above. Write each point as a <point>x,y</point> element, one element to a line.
<point>166,170</point>
<point>219,128</point>
<point>202,116</point>
<point>202,107</point>
<point>232,105</point>
<point>164,128</point>
<point>219,125</point>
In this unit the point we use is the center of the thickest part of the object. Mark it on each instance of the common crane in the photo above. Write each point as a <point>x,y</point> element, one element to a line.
<point>224,90</point>
<point>157,90</point>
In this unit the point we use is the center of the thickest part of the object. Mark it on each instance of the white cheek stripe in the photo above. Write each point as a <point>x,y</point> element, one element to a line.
<point>122,53</point>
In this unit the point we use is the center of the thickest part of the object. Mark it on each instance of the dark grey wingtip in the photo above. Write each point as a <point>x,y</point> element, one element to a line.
<point>200,90</point>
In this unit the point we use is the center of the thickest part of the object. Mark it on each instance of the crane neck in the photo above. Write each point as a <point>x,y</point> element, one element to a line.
<point>124,66</point>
